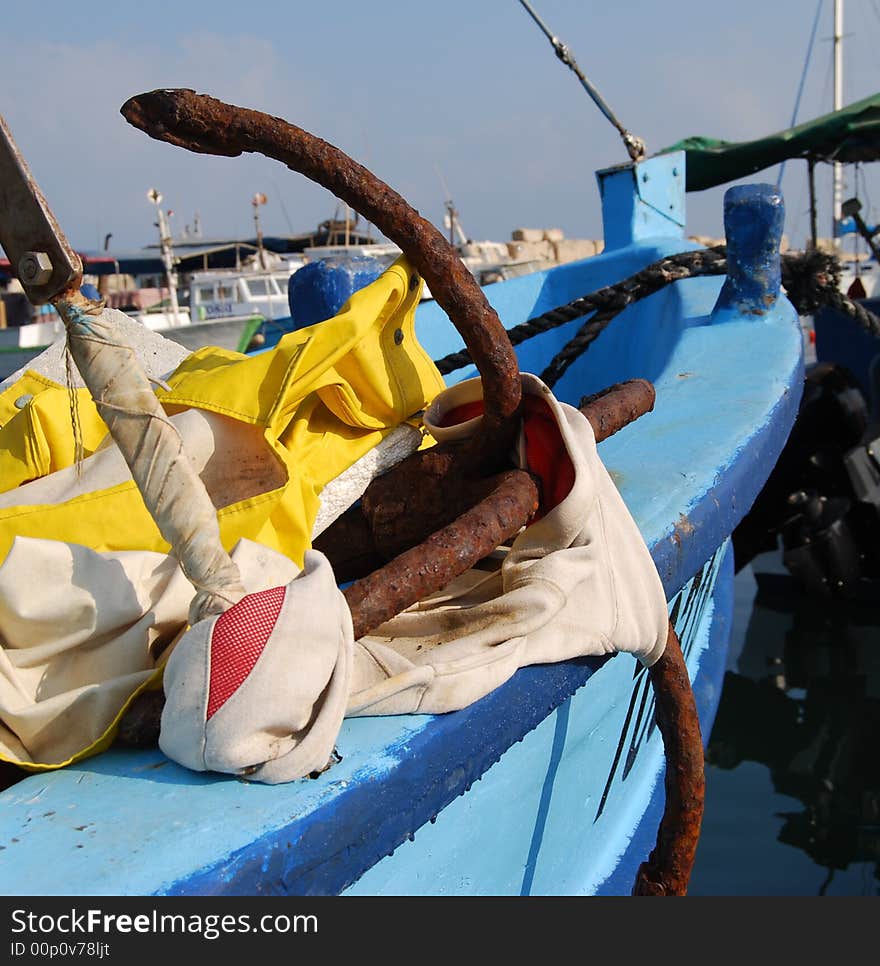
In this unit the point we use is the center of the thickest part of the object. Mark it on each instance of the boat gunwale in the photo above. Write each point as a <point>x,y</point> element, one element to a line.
<point>315,859</point>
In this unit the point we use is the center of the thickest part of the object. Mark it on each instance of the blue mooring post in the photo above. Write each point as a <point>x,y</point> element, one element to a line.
<point>318,291</point>
<point>753,218</point>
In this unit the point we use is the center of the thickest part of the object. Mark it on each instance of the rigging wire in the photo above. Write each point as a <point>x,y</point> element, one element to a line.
<point>280,198</point>
<point>863,39</point>
<point>823,176</point>
<point>635,146</point>
<point>860,171</point>
<point>800,91</point>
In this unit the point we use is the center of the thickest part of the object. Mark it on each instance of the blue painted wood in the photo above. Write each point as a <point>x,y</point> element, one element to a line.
<point>842,340</point>
<point>317,291</point>
<point>644,200</point>
<point>754,215</point>
<point>559,813</point>
<point>706,686</point>
<point>126,823</point>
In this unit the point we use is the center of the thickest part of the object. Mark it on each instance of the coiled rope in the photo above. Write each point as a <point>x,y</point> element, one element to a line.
<point>811,280</point>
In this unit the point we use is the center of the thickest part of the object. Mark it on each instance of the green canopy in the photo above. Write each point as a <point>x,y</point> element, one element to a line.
<point>848,135</point>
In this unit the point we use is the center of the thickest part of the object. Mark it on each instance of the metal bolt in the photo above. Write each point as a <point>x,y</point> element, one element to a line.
<point>413,282</point>
<point>35,268</point>
<point>398,336</point>
<point>22,401</point>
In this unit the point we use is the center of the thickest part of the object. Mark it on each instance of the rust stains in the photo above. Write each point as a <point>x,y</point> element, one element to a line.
<point>668,869</point>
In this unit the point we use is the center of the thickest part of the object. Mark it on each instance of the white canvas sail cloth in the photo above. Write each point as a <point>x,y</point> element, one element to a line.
<point>84,631</point>
<point>261,690</point>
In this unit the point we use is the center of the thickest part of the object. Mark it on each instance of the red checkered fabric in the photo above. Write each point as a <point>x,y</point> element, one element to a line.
<point>238,639</point>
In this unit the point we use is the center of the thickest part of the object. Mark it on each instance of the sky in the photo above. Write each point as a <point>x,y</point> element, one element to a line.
<point>439,98</point>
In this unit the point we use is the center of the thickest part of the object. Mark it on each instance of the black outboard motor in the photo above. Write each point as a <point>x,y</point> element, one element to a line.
<point>823,497</point>
<point>819,548</point>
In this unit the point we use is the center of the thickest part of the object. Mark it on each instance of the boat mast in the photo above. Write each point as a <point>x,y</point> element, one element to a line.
<point>259,199</point>
<point>167,254</point>
<point>837,167</point>
<point>451,218</point>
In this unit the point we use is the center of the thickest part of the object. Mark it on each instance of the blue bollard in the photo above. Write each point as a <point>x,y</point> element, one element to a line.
<point>754,215</point>
<point>317,291</point>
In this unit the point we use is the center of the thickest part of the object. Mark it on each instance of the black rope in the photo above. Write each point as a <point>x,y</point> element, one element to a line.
<point>858,313</point>
<point>709,261</point>
<point>611,299</point>
<point>811,280</point>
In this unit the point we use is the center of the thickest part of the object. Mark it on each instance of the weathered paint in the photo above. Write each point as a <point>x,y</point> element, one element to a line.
<point>754,215</point>
<point>317,291</point>
<point>643,200</point>
<point>127,823</point>
<point>842,340</point>
<point>706,684</point>
<point>561,812</point>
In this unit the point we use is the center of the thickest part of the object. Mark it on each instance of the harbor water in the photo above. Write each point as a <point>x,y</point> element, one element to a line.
<point>792,768</point>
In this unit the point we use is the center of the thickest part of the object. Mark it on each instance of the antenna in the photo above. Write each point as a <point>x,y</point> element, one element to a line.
<point>283,207</point>
<point>259,199</point>
<point>155,196</point>
<point>451,220</point>
<point>837,167</point>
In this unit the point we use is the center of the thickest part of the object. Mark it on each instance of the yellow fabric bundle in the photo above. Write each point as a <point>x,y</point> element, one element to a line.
<point>79,628</point>
<point>322,398</point>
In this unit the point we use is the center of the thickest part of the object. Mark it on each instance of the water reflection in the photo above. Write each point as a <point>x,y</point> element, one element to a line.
<point>802,698</point>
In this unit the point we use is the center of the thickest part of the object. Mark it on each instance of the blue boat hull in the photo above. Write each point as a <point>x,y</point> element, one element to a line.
<point>553,782</point>
<point>842,340</point>
<point>574,807</point>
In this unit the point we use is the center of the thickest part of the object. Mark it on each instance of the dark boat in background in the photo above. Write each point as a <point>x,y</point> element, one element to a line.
<point>793,784</point>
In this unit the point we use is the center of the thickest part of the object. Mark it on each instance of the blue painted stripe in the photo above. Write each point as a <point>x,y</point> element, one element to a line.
<point>559,736</point>
<point>706,685</point>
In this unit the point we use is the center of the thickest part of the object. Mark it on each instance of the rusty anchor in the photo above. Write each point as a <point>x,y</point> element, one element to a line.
<point>483,501</point>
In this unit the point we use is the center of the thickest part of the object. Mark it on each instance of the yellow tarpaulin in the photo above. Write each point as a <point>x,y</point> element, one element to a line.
<point>297,416</point>
<point>321,399</point>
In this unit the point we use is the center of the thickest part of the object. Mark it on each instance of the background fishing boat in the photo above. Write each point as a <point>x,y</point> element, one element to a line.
<point>820,506</point>
<point>796,726</point>
<point>20,345</point>
<point>222,306</point>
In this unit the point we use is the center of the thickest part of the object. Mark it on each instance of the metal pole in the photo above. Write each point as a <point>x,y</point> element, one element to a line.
<point>168,260</point>
<point>837,167</point>
<point>259,234</point>
<point>811,183</point>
